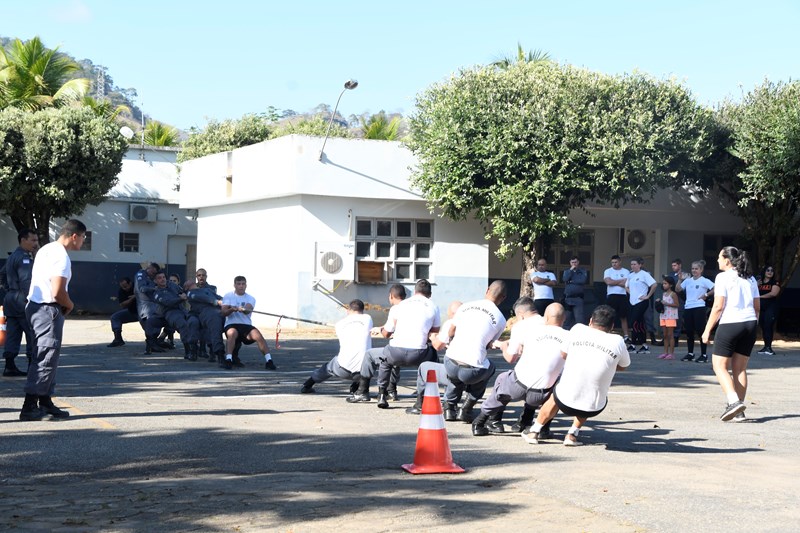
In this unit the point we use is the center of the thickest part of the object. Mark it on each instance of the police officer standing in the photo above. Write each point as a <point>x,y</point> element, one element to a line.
<point>48,304</point>
<point>17,282</point>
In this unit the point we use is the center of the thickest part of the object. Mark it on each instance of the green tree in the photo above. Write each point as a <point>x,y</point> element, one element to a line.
<point>757,167</point>
<point>159,134</point>
<point>103,107</point>
<point>221,136</point>
<point>519,148</point>
<point>55,162</point>
<point>380,127</point>
<point>34,77</point>
<point>314,125</point>
<point>531,56</point>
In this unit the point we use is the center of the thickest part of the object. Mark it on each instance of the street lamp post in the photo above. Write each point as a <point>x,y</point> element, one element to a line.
<point>348,85</point>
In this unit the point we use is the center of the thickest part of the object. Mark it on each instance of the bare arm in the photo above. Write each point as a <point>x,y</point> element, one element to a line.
<point>58,286</point>
<point>713,318</point>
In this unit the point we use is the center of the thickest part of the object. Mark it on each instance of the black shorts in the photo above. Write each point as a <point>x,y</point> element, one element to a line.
<point>567,410</point>
<point>738,337</point>
<point>620,304</point>
<point>242,330</point>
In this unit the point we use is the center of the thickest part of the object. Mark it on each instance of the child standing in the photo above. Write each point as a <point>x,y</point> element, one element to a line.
<point>669,316</point>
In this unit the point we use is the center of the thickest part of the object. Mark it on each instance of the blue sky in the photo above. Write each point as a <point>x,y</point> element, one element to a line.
<point>191,61</point>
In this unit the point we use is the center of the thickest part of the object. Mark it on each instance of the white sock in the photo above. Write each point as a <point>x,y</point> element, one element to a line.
<point>574,430</point>
<point>732,397</point>
<point>537,427</point>
<point>267,357</point>
<point>229,357</point>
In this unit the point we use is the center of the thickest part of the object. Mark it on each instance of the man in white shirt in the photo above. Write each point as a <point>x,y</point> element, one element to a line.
<point>593,355</point>
<point>543,283</point>
<point>353,332</point>
<point>440,341</point>
<point>48,304</point>
<point>409,325</point>
<point>616,297</point>
<point>236,308</point>
<point>475,327</point>
<point>640,286</point>
<point>536,348</point>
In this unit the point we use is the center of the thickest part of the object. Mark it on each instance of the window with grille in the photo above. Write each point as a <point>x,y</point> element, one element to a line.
<point>580,245</point>
<point>405,245</point>
<point>128,242</point>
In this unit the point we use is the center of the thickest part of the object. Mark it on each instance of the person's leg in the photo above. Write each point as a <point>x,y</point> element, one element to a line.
<point>739,369</point>
<point>231,336</point>
<point>669,340</point>
<point>14,330</point>
<point>47,324</point>
<point>571,438</point>
<point>578,312</point>
<point>255,335</point>
<point>768,325</point>
<point>454,390</point>
<point>623,321</point>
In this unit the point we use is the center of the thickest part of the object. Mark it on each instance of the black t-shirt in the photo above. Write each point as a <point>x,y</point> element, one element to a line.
<point>123,295</point>
<point>765,287</point>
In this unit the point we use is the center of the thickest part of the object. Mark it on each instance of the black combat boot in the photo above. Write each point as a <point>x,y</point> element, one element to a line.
<point>11,370</point>
<point>450,411</point>
<point>383,399</point>
<point>479,425</point>
<point>308,386</point>
<point>117,340</point>
<point>465,414</point>
<point>30,409</point>
<point>362,393</point>
<point>525,419</point>
<point>49,408</point>
<point>416,409</point>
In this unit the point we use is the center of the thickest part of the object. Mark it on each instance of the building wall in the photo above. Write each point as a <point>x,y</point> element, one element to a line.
<point>272,243</point>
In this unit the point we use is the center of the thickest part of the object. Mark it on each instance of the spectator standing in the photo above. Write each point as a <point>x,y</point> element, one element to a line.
<point>17,282</point>
<point>615,278</point>
<point>698,290</point>
<point>768,289</point>
<point>575,279</point>
<point>542,282</point>
<point>640,286</point>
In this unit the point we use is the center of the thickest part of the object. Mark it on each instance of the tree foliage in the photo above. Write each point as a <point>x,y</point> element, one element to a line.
<point>314,125</point>
<point>519,148</point>
<point>55,162</point>
<point>757,166</point>
<point>159,134</point>
<point>34,77</point>
<point>380,127</point>
<point>222,136</point>
<point>531,56</point>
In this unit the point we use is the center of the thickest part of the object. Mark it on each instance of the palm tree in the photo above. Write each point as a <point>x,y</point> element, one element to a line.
<point>34,77</point>
<point>104,107</point>
<point>380,127</point>
<point>532,56</point>
<point>159,134</point>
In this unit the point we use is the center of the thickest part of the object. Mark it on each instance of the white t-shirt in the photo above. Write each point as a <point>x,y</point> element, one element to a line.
<point>236,300</point>
<point>443,332</point>
<point>592,359</point>
<point>739,294</point>
<point>410,321</point>
<point>478,324</point>
<point>694,289</point>
<point>353,332</point>
<point>616,274</point>
<point>52,261</point>
<point>542,292</point>
<point>540,363</point>
<point>638,285</point>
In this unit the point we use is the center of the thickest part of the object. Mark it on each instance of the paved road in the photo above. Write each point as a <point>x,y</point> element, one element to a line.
<point>158,443</point>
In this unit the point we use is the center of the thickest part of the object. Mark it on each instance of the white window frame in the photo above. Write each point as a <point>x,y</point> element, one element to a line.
<point>394,263</point>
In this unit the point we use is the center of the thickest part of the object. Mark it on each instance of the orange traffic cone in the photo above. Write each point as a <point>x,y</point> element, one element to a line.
<point>432,455</point>
<point>2,327</point>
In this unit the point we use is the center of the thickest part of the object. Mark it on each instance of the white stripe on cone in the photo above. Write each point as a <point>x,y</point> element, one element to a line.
<point>432,389</point>
<point>431,422</point>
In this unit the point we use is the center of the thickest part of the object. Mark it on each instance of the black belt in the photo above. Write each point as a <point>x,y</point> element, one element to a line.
<point>51,304</point>
<point>538,391</point>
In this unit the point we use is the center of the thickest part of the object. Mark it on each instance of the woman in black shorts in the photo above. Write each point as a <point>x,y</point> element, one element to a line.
<point>736,307</point>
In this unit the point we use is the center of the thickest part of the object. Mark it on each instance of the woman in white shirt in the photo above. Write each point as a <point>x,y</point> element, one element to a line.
<point>736,307</point>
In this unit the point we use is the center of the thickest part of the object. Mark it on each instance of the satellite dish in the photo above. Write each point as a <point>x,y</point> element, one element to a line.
<point>126,132</point>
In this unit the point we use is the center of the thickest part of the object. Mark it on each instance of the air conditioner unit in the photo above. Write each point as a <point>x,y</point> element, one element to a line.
<point>335,260</point>
<point>143,213</point>
<point>637,242</point>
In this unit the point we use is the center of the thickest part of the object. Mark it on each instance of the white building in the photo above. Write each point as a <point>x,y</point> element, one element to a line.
<point>272,211</point>
<point>138,223</point>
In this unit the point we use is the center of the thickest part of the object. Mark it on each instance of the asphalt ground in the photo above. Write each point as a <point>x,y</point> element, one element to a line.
<point>157,443</point>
